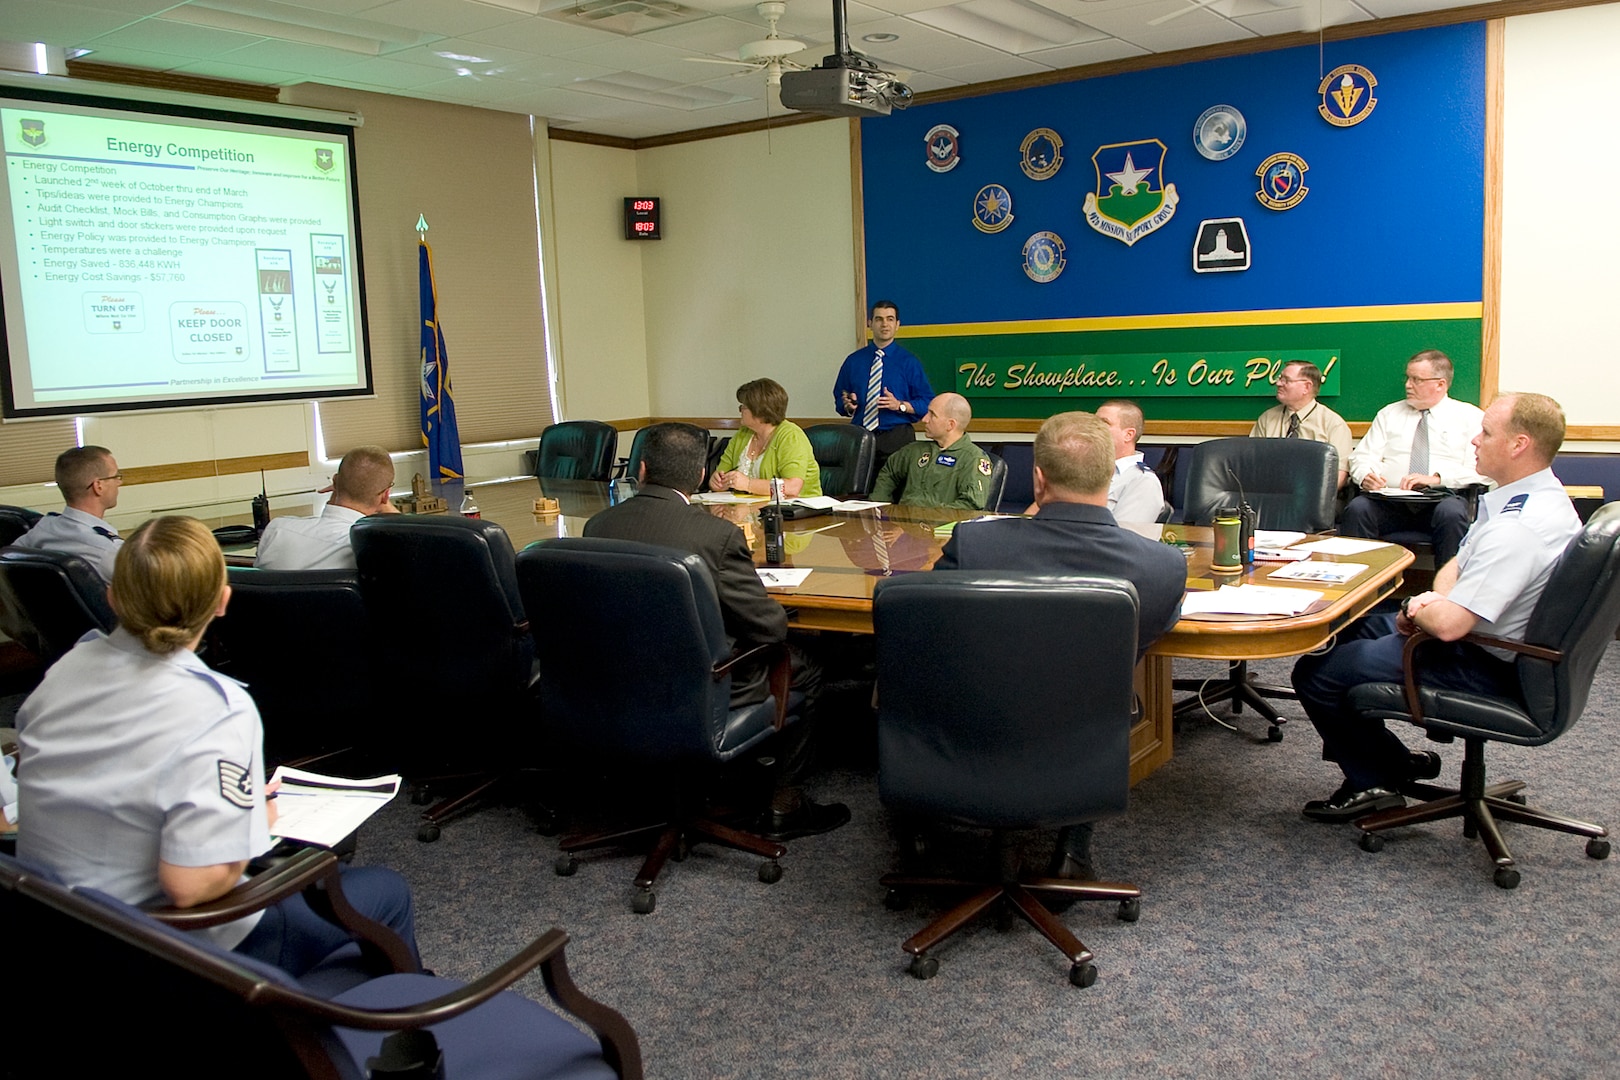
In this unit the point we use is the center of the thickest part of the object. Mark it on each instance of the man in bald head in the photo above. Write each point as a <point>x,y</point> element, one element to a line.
<point>359,490</point>
<point>952,472</point>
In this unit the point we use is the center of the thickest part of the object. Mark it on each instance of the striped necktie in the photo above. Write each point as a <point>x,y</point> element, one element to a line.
<point>874,390</point>
<point>1293,426</point>
<point>1419,464</point>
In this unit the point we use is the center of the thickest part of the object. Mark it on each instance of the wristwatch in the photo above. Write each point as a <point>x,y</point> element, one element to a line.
<point>1406,607</point>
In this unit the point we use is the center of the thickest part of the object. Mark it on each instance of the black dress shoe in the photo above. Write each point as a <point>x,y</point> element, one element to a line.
<point>1069,868</point>
<point>1347,804</point>
<point>809,819</point>
<point>1422,765</point>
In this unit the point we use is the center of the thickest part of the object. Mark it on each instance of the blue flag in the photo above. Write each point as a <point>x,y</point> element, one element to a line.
<point>439,432</point>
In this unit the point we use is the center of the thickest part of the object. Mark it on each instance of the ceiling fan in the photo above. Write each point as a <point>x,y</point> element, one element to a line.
<point>771,54</point>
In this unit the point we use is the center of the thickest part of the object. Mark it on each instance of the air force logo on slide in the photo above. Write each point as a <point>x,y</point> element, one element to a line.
<point>33,132</point>
<point>323,158</point>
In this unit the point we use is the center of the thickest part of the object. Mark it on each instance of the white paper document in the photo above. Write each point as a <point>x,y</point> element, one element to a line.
<point>322,810</point>
<point>783,577</point>
<point>1249,600</point>
<point>850,506</point>
<point>1327,573</point>
<point>726,498</point>
<point>1403,493</point>
<point>1271,554</point>
<point>1276,538</point>
<point>1341,545</point>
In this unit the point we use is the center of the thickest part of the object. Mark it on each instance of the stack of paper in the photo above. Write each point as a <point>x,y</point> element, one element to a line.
<point>1276,538</point>
<point>1249,600</point>
<point>323,810</point>
<point>1327,573</point>
<point>1341,545</point>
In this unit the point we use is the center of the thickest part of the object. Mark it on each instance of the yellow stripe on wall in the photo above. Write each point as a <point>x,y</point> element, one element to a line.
<point>1278,317</point>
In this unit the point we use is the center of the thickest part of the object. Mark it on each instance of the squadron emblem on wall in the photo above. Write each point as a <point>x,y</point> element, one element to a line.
<point>1043,257</point>
<point>992,209</point>
<point>944,145</point>
<point>1042,152</point>
<point>1219,132</point>
<point>1347,97</point>
<point>1132,198</point>
<point>1282,181</point>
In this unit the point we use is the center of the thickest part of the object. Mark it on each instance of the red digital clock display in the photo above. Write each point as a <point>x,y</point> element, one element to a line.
<point>641,218</point>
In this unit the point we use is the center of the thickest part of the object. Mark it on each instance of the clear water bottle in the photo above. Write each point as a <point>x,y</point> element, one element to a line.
<point>469,508</point>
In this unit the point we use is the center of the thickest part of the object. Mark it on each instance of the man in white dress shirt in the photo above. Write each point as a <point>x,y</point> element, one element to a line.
<point>359,490</point>
<point>89,480</point>
<point>1134,494</point>
<point>1422,442</point>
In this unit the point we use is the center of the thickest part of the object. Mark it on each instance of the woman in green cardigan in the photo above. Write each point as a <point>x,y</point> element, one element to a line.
<point>767,446</point>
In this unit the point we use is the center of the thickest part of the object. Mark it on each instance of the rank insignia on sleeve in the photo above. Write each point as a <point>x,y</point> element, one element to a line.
<point>1282,181</point>
<point>985,466</point>
<point>992,209</point>
<point>1347,97</point>
<point>1042,154</point>
<point>944,147</point>
<point>1043,257</point>
<point>1132,198</point>
<point>235,784</point>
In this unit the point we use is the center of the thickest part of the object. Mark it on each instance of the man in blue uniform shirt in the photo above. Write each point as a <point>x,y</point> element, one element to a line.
<point>89,480</point>
<point>1491,586</point>
<point>1074,532</point>
<point>882,387</point>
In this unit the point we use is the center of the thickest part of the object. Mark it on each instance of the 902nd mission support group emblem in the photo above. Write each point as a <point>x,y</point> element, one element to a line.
<point>1347,97</point>
<point>1282,181</point>
<point>992,209</point>
<point>1131,199</point>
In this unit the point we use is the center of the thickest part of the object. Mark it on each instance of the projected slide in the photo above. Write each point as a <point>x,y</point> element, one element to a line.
<point>152,259</point>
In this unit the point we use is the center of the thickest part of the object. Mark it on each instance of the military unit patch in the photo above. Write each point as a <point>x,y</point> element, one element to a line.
<point>33,132</point>
<point>1222,245</point>
<point>1219,132</point>
<point>1347,97</point>
<point>1282,181</point>
<point>1132,199</point>
<point>1042,152</point>
<point>1043,257</point>
<point>944,145</point>
<point>984,466</point>
<point>992,209</point>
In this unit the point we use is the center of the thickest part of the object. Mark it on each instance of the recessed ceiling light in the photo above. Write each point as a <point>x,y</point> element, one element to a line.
<point>463,58</point>
<point>879,39</point>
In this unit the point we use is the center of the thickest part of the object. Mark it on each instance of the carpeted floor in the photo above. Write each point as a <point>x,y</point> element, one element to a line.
<point>1268,945</point>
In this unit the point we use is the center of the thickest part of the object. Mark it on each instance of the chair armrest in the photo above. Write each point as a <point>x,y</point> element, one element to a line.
<point>315,872</point>
<point>781,673</point>
<point>619,1044</point>
<point>1414,705</point>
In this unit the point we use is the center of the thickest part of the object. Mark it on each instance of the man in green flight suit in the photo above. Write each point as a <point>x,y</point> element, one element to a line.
<point>954,473</point>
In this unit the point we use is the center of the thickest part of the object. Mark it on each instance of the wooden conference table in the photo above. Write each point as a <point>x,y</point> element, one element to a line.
<point>850,553</point>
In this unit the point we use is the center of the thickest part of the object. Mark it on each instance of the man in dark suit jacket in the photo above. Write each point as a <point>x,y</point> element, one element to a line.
<point>673,463</point>
<point>1073,532</point>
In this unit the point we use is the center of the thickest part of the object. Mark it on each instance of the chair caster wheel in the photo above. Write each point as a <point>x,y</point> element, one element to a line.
<point>1597,848</point>
<point>546,824</point>
<point>427,833</point>
<point>1130,909</point>
<point>566,866</point>
<point>923,967</point>
<point>420,795</point>
<point>1083,975</point>
<point>1506,877</point>
<point>644,901</point>
<point>1273,733</point>
<point>770,872</point>
<point>1371,842</point>
<point>895,900</point>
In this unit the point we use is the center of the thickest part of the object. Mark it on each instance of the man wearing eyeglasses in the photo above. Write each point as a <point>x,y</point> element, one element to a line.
<point>1423,442</point>
<point>89,480</point>
<point>1298,415</point>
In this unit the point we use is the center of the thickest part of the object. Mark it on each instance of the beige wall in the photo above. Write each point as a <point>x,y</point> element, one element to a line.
<point>1560,222</point>
<point>601,317</point>
<point>755,276</point>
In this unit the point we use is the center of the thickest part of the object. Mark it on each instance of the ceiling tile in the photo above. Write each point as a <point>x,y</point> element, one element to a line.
<point>919,47</point>
<point>221,69</point>
<point>176,39</point>
<point>1388,9</point>
<point>1308,17</point>
<point>814,21</point>
<point>1009,25</point>
<point>391,74</point>
<point>139,58</point>
<point>59,24</point>
<point>1187,28</point>
<point>1005,67</point>
<point>1092,52</point>
<point>923,81</point>
<point>310,60</point>
<point>439,17</point>
<point>715,35</point>
<point>627,54</point>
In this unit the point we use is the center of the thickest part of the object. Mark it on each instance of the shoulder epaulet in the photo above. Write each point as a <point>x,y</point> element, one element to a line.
<point>1515,504</point>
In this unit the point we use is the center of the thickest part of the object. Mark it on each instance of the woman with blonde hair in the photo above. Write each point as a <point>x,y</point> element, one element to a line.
<point>141,770</point>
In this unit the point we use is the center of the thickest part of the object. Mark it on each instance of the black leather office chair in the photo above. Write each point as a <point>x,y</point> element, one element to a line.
<point>1572,625</point>
<point>998,483</point>
<point>14,521</point>
<point>442,596</point>
<point>49,600</point>
<point>302,642</point>
<point>159,995</point>
<point>636,670</point>
<point>1001,743</point>
<point>578,450</point>
<point>1292,484</point>
<point>846,455</point>
<point>628,467</point>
